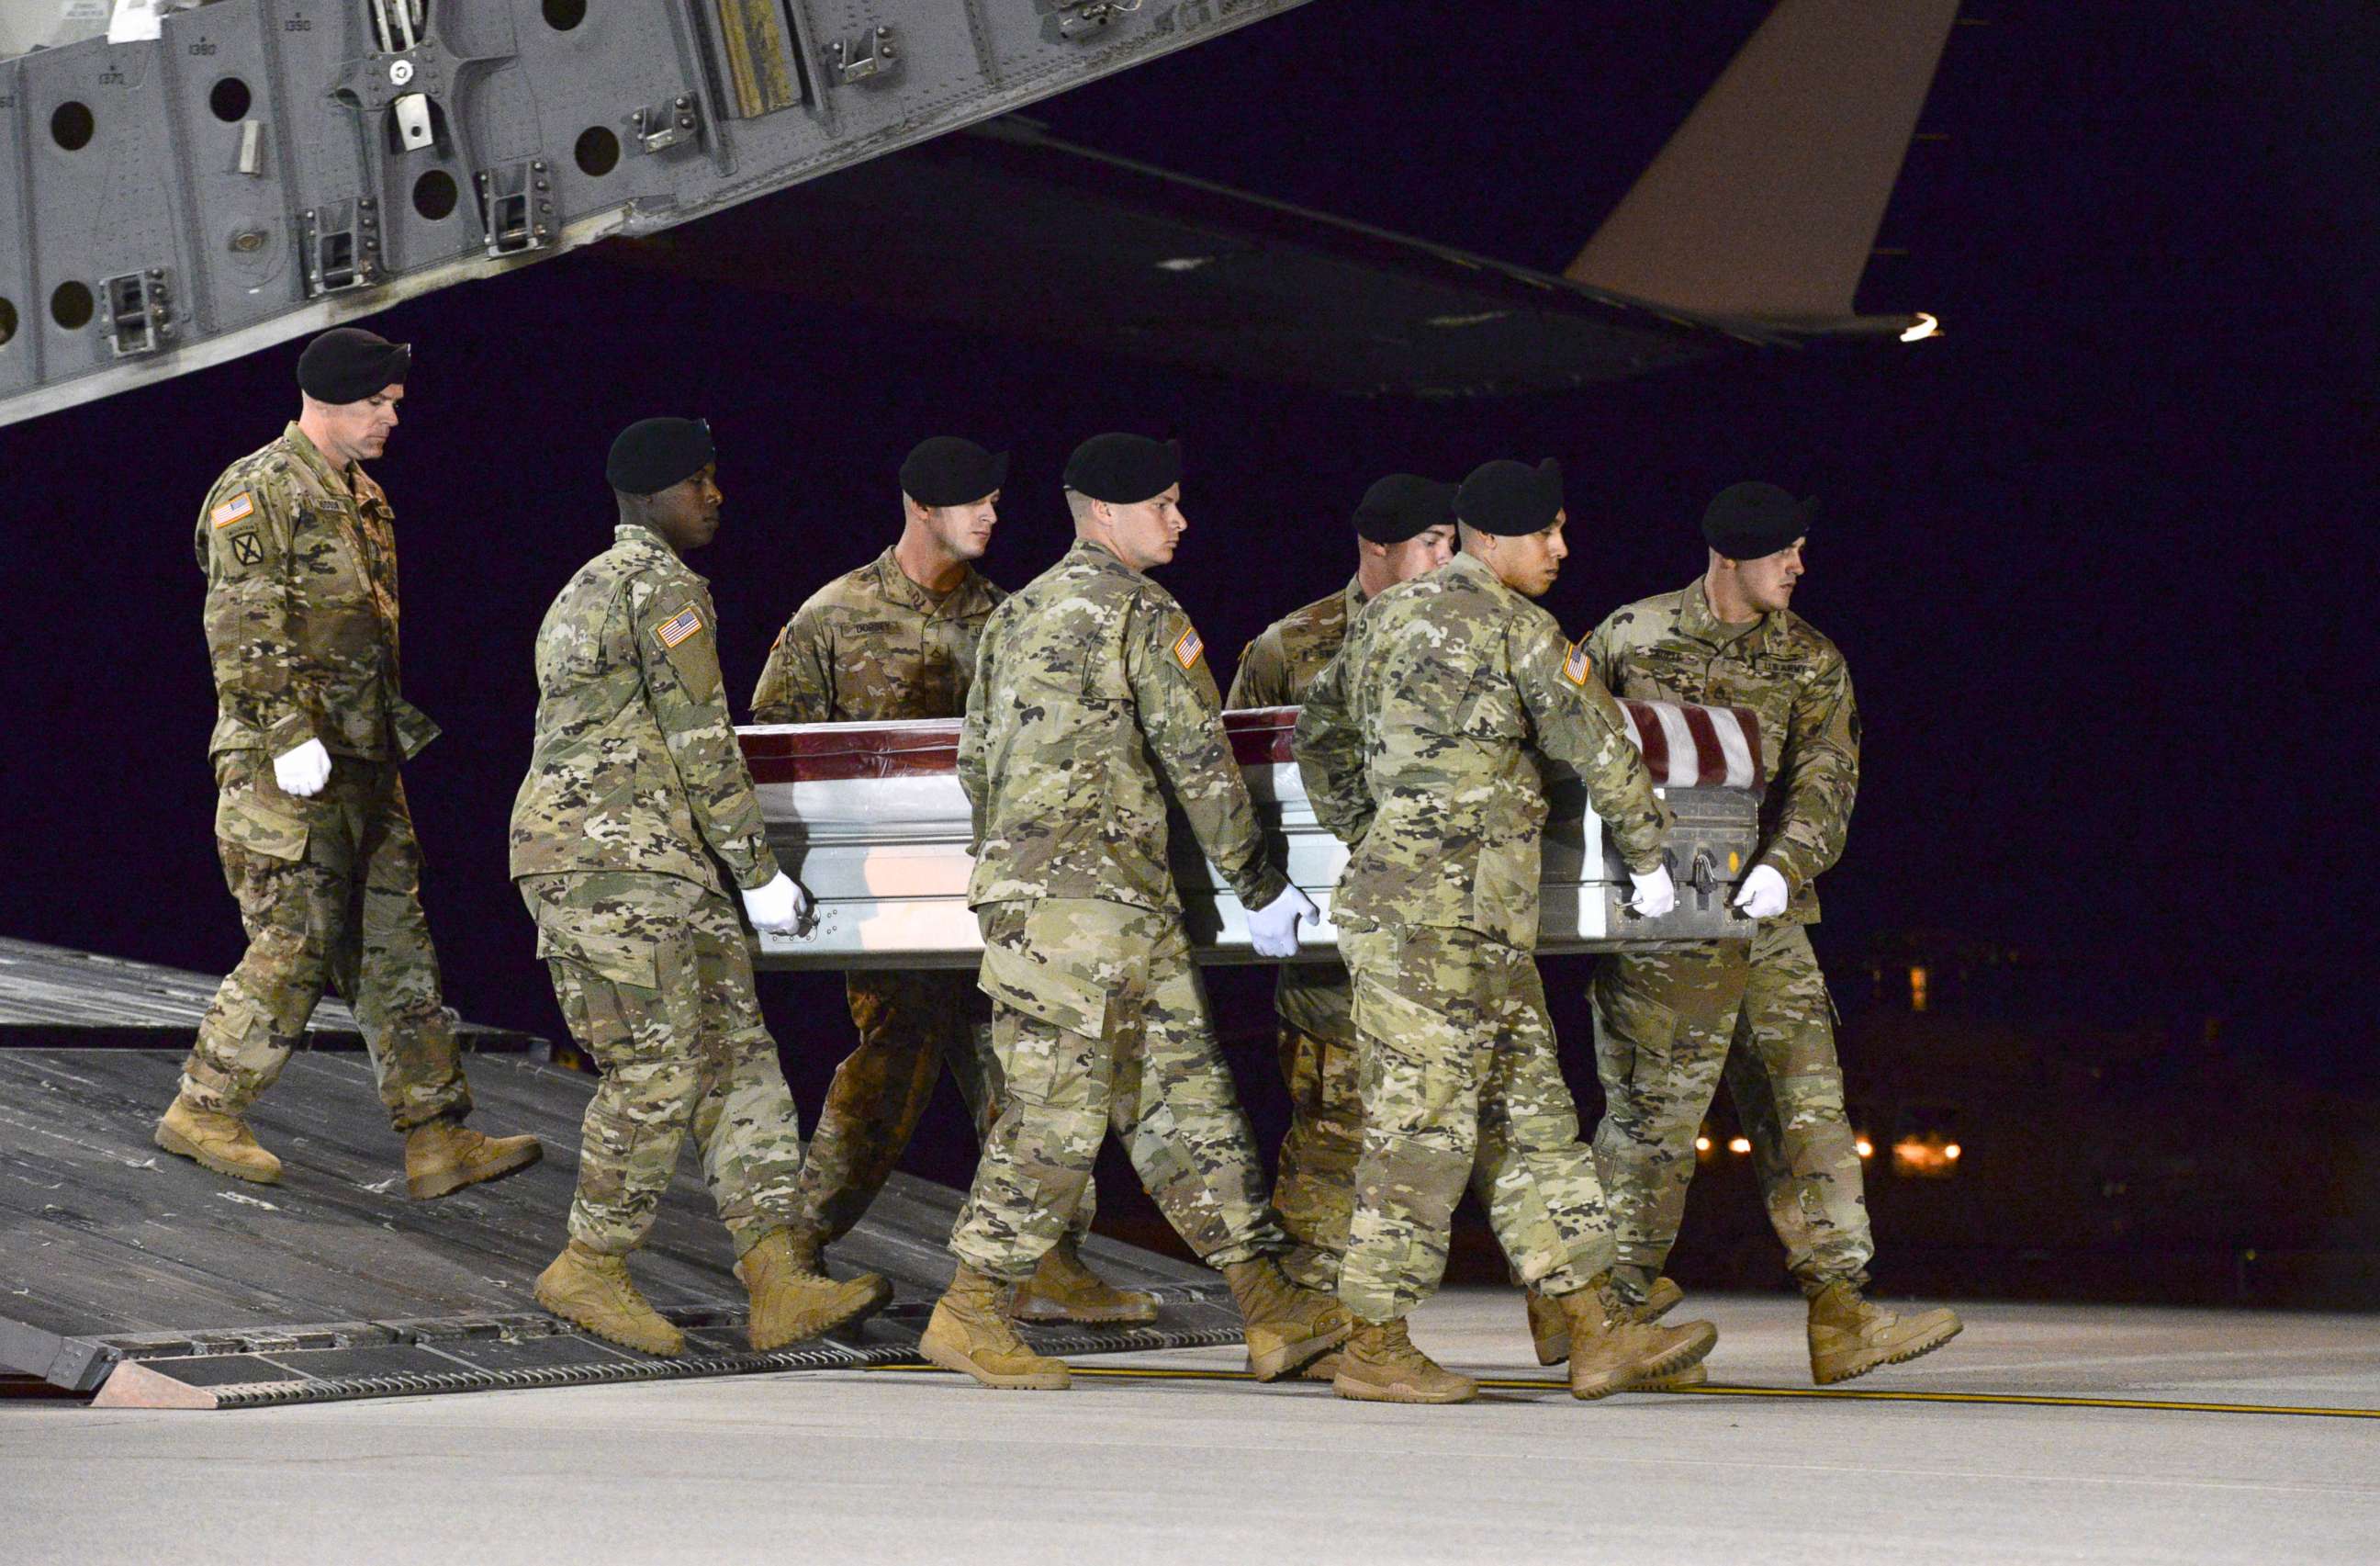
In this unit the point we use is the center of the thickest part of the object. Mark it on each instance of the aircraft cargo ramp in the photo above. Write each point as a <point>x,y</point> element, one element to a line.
<point>138,1276</point>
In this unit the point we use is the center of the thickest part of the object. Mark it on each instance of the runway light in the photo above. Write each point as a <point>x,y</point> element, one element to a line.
<point>1866,1148</point>
<point>1740,1144</point>
<point>1925,326</point>
<point>1925,1158</point>
<point>1702,1144</point>
<point>1192,263</point>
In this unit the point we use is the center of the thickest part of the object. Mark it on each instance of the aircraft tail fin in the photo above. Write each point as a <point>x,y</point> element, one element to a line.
<point>1764,204</point>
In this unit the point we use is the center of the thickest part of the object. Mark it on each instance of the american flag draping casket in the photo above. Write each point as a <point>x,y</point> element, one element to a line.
<point>870,818</point>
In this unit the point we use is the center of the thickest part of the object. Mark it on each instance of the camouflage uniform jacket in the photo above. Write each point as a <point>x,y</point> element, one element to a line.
<point>873,645</point>
<point>1092,703</point>
<point>635,765</point>
<point>1282,661</point>
<point>1421,746</point>
<point>300,560</point>
<point>1671,648</point>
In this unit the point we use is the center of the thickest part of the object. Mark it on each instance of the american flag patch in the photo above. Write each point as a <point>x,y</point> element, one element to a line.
<point>1575,668</point>
<point>679,626</point>
<point>1188,648</point>
<point>238,509</point>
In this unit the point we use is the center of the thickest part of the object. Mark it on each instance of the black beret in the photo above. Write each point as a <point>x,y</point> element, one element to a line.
<point>653,454</point>
<point>1123,469</point>
<point>1510,498</point>
<point>947,471</point>
<point>1403,506</point>
<point>348,364</point>
<point>1752,520</point>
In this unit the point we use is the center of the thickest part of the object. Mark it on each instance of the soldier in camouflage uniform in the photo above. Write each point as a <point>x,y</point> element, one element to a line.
<point>1405,526</point>
<point>896,639</point>
<point>1666,1022</point>
<point>635,817</point>
<point>1420,746</point>
<point>1092,702</point>
<point>299,550</point>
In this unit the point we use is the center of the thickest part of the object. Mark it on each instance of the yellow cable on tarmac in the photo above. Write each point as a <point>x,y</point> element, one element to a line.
<point>1839,1394</point>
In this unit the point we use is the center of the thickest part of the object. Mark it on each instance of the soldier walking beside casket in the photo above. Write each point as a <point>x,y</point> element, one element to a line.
<point>299,550</point>
<point>1092,701</point>
<point>1665,1021</point>
<point>1404,527</point>
<point>896,639</point>
<point>635,817</point>
<point>1420,746</point>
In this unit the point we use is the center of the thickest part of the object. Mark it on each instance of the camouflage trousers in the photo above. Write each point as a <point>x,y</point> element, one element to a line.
<point>329,889</point>
<point>654,976</point>
<point>1667,1025</point>
<point>1314,1189</point>
<point>1098,1019</point>
<point>910,1026</point>
<point>1461,1086</point>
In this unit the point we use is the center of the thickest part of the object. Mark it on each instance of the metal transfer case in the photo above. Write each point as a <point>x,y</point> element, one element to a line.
<point>870,818</point>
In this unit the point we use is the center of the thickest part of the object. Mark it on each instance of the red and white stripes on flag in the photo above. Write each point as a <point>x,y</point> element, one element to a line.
<point>1697,747</point>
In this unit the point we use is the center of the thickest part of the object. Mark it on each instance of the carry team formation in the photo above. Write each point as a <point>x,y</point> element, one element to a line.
<point>1433,691</point>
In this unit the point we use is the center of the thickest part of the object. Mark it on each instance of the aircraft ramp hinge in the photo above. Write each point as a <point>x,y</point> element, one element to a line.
<point>139,311</point>
<point>869,55</point>
<point>342,246</point>
<point>1081,21</point>
<point>657,130</point>
<point>517,205</point>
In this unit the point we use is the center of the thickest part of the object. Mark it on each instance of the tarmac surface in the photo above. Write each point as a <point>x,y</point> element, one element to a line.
<point>1174,1457</point>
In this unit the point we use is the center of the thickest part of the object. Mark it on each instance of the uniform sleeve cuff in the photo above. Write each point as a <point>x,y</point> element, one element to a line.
<point>1267,889</point>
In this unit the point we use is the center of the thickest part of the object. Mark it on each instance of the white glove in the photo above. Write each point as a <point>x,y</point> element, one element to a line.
<point>1656,893</point>
<point>1763,894</point>
<point>302,772</point>
<point>1272,929</point>
<point>781,906</point>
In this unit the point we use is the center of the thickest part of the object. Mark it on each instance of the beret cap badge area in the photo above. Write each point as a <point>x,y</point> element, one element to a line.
<point>653,454</point>
<point>1752,520</point>
<point>348,364</point>
<point>1123,469</point>
<point>1510,499</point>
<point>948,471</point>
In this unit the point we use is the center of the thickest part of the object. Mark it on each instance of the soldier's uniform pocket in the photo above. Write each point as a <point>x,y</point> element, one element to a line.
<point>621,958</point>
<point>1040,984</point>
<point>258,827</point>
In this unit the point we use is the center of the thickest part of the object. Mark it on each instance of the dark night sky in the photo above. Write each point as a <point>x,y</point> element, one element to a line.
<point>2088,555</point>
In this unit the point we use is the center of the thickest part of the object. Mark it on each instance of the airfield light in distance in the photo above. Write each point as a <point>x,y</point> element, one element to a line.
<point>1924,327</point>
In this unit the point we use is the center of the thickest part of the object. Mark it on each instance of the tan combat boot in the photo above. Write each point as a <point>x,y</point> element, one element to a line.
<point>1610,1352</point>
<point>793,1300</point>
<point>443,1157</point>
<point>1380,1364</point>
<point>1850,1336</point>
<point>1062,1289</point>
<point>1288,1327</point>
<point>1549,1328</point>
<point>594,1292</point>
<point>215,1140</point>
<point>969,1332</point>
